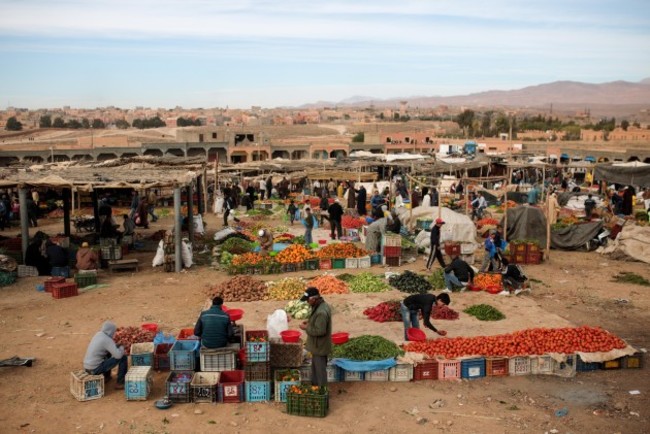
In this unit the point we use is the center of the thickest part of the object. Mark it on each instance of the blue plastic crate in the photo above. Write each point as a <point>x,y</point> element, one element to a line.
<point>376,259</point>
<point>60,272</point>
<point>138,383</point>
<point>183,356</point>
<point>257,391</point>
<point>587,366</point>
<point>257,352</point>
<point>472,368</point>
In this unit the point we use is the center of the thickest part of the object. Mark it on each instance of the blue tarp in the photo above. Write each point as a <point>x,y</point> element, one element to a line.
<point>369,366</point>
<point>590,159</point>
<point>564,156</point>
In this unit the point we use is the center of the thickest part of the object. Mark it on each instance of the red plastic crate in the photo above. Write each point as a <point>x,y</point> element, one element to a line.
<point>393,261</point>
<point>532,248</point>
<point>161,357</point>
<point>427,370</point>
<point>519,258</point>
<point>520,248</point>
<point>392,251</point>
<point>496,366</point>
<point>325,264</point>
<point>533,258</point>
<point>452,249</point>
<point>231,386</point>
<point>64,290</point>
<point>53,281</point>
<point>447,369</point>
<point>187,335</point>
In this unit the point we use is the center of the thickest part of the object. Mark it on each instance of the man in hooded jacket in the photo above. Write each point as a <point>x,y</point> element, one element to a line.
<point>103,355</point>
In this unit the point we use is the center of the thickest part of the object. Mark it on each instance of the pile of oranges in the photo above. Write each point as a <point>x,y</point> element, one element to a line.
<point>294,254</point>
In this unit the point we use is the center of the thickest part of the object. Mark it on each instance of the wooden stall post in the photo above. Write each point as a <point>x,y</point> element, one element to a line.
<point>547,253</point>
<point>190,212</point>
<point>177,229</point>
<point>67,192</point>
<point>24,220</point>
<point>505,205</point>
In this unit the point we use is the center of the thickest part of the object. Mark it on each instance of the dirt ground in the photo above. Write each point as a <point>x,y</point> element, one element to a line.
<point>573,288</point>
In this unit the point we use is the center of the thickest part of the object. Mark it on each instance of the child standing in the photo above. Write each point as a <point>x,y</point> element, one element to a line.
<point>291,210</point>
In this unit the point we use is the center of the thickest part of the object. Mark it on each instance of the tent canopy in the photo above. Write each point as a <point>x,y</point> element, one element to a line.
<point>526,223</point>
<point>626,173</point>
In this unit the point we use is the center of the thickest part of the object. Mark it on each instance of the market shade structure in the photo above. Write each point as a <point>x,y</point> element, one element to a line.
<point>526,223</point>
<point>633,173</point>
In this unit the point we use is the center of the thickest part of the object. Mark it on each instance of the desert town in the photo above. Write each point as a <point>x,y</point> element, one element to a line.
<point>371,276</point>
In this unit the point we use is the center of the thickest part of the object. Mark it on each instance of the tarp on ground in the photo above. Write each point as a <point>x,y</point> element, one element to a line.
<point>634,175</point>
<point>457,227</point>
<point>574,236</point>
<point>631,244</point>
<point>526,223</point>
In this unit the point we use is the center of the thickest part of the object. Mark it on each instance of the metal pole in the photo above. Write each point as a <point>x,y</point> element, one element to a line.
<point>177,229</point>
<point>505,208</point>
<point>24,221</point>
<point>548,227</point>
<point>190,212</point>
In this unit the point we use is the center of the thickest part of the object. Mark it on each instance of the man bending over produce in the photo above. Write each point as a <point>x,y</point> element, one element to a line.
<point>103,355</point>
<point>319,335</point>
<point>214,326</point>
<point>458,274</point>
<point>416,303</point>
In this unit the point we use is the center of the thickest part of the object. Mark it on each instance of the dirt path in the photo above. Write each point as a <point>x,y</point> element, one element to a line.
<point>572,288</point>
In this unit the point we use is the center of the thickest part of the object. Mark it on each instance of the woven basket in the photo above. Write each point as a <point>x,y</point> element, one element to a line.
<point>286,355</point>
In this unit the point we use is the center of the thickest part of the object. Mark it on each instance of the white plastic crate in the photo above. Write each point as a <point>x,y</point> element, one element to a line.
<point>364,262</point>
<point>348,376</point>
<point>401,372</point>
<point>217,360</point>
<point>519,365</point>
<point>467,248</point>
<point>27,271</point>
<point>391,240</point>
<point>541,365</point>
<point>351,263</point>
<point>381,375</point>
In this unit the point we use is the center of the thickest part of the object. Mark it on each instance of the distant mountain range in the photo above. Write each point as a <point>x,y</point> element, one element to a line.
<point>564,95</point>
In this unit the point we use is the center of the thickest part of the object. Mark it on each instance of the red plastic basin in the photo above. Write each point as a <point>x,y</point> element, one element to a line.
<point>340,338</point>
<point>416,335</point>
<point>225,308</point>
<point>235,314</point>
<point>150,326</point>
<point>290,336</point>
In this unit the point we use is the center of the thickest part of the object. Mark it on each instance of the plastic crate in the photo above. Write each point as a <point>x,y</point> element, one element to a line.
<point>541,365</point>
<point>452,249</point>
<point>257,351</point>
<point>281,386</point>
<point>532,248</point>
<point>472,368</point>
<point>392,252</point>
<point>613,364</point>
<point>64,290</point>
<point>138,383</point>
<point>388,240</point>
<point>286,354</point>
<point>182,356</point>
<point>393,261</point>
<point>582,366</point>
<point>401,372</point>
<point>231,386</point>
<point>496,366</point>
<point>567,368</point>
<point>338,264</point>
<point>381,375</point>
<point>325,264</point>
<point>350,376</point>
<point>520,365</point>
<point>260,371</point>
<point>533,258</point>
<point>217,360</point>
<point>112,253</point>
<point>187,335</point>
<point>86,387</point>
<point>258,391</point>
<point>424,224</point>
<point>85,279</point>
<point>27,271</point>
<point>204,387</point>
<point>351,263</point>
<point>161,357</point>
<point>519,248</point>
<point>312,405</point>
<point>376,259</point>
<point>333,373</point>
<point>426,370</point>
<point>365,262</point>
<point>312,264</point>
<point>178,386</point>
<point>60,271</point>
<point>447,369</point>
<point>519,258</point>
<point>633,361</point>
<point>142,354</point>
<point>49,283</point>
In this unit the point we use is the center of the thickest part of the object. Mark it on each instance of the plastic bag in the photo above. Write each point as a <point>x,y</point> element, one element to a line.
<point>277,322</point>
<point>218,206</point>
<point>159,259</point>
<point>162,338</point>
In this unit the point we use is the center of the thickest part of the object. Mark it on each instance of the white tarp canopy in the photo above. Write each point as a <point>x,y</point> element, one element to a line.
<point>632,243</point>
<point>631,164</point>
<point>457,227</point>
<point>405,156</point>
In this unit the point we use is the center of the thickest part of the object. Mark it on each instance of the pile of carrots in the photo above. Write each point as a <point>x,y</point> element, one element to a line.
<point>247,259</point>
<point>328,284</point>
<point>489,281</point>
<point>294,254</point>
<point>340,250</point>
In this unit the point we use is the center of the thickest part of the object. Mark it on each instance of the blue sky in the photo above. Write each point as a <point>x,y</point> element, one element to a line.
<point>212,53</point>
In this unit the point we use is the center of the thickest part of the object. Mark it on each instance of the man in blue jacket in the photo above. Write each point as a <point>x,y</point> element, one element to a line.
<point>214,326</point>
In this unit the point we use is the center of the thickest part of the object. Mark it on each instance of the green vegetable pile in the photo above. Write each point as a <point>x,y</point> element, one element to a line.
<point>367,282</point>
<point>410,282</point>
<point>226,258</point>
<point>237,246</point>
<point>437,279</point>
<point>625,277</point>
<point>346,277</point>
<point>367,347</point>
<point>484,312</point>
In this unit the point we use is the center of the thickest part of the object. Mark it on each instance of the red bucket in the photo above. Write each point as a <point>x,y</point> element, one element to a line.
<point>235,314</point>
<point>416,335</point>
<point>340,338</point>
<point>290,336</point>
<point>150,326</point>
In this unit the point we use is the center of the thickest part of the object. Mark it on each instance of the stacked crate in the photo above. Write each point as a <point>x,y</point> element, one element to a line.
<point>257,370</point>
<point>182,358</point>
<point>391,250</point>
<point>138,383</point>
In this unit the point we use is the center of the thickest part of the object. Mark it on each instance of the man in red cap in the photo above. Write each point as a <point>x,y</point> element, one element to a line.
<point>435,245</point>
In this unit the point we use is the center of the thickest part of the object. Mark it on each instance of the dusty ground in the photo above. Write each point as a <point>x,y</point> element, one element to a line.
<point>573,288</point>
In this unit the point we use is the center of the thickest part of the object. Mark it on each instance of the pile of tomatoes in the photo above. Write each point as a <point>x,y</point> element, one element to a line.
<point>536,341</point>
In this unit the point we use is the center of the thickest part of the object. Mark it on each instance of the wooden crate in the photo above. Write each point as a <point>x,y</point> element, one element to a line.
<point>86,387</point>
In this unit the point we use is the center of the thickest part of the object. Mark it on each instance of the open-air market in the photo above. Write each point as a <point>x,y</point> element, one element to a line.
<point>435,294</point>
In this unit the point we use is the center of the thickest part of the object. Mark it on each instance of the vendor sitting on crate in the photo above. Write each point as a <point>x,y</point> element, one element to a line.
<point>56,255</point>
<point>87,259</point>
<point>514,278</point>
<point>214,326</point>
<point>103,354</point>
<point>458,274</point>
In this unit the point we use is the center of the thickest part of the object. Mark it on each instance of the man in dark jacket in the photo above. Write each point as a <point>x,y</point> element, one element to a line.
<point>319,335</point>
<point>458,274</point>
<point>336,213</point>
<point>416,303</point>
<point>361,201</point>
<point>56,255</point>
<point>435,245</point>
<point>214,326</point>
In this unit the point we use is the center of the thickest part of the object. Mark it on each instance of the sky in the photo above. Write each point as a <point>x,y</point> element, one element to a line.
<point>273,53</point>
